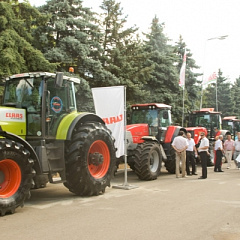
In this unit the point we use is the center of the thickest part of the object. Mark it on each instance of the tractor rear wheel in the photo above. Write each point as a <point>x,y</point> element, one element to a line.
<point>148,160</point>
<point>170,163</point>
<point>15,175</point>
<point>90,159</point>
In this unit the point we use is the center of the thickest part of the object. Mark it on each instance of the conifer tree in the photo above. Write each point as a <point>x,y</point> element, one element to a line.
<point>123,51</point>
<point>235,90</point>
<point>192,88</point>
<point>163,82</point>
<point>221,99</point>
<point>16,52</point>
<point>71,38</point>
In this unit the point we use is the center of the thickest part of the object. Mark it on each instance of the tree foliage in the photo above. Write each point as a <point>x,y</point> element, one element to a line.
<point>72,39</point>
<point>16,52</point>
<point>104,52</point>
<point>124,55</point>
<point>218,95</point>
<point>163,82</point>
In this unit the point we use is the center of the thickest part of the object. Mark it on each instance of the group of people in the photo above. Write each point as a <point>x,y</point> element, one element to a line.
<point>186,151</point>
<point>228,148</point>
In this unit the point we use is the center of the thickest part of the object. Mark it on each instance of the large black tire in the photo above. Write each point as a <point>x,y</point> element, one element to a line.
<point>170,163</point>
<point>15,175</point>
<point>90,159</point>
<point>148,160</point>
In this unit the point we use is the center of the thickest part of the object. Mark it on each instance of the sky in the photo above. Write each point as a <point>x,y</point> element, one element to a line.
<point>196,21</point>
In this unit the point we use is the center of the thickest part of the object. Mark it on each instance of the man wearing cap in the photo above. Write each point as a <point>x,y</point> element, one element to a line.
<point>228,149</point>
<point>203,152</point>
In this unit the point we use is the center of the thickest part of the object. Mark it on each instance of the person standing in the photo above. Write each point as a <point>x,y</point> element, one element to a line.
<point>237,149</point>
<point>228,149</point>
<point>180,145</point>
<point>191,151</point>
<point>219,154</point>
<point>203,152</point>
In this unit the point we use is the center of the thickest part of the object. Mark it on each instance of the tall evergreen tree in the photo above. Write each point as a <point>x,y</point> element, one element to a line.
<point>71,38</point>
<point>163,82</point>
<point>219,93</point>
<point>16,52</point>
<point>235,90</point>
<point>192,88</point>
<point>123,51</point>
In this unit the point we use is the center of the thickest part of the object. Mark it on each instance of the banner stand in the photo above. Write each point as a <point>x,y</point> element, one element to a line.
<point>125,185</point>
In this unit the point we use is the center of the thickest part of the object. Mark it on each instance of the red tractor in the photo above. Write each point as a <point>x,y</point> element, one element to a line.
<point>149,138</point>
<point>212,121</point>
<point>232,124</point>
<point>209,119</point>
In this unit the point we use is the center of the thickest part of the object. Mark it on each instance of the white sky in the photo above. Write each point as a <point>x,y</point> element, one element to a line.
<point>196,21</point>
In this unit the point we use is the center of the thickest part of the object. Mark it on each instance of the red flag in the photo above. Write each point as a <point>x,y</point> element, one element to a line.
<point>182,71</point>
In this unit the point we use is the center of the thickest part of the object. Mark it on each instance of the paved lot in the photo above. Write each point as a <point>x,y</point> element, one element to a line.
<point>167,208</point>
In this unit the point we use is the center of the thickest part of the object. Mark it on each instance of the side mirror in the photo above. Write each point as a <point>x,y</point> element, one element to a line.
<point>59,79</point>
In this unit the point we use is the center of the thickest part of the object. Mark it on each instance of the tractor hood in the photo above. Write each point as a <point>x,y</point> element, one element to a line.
<point>13,120</point>
<point>138,131</point>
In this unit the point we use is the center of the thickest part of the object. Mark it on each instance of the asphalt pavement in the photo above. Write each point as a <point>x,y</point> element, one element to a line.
<point>168,208</point>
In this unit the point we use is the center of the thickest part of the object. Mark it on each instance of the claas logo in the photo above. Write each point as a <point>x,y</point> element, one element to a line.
<point>14,115</point>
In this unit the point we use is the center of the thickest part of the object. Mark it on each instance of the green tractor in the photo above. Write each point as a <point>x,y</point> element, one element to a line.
<point>42,134</point>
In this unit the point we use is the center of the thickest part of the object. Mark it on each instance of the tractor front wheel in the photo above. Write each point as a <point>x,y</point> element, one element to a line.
<point>148,160</point>
<point>15,175</point>
<point>90,159</point>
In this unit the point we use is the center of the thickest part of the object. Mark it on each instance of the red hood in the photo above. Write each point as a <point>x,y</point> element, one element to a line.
<point>138,131</point>
<point>196,133</point>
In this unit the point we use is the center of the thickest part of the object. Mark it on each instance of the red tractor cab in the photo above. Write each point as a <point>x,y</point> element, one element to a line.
<point>232,124</point>
<point>207,118</point>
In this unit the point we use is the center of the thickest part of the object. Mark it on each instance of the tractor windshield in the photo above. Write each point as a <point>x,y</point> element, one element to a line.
<point>232,126</point>
<point>227,125</point>
<point>26,93</point>
<point>23,92</point>
<point>153,117</point>
<point>206,120</point>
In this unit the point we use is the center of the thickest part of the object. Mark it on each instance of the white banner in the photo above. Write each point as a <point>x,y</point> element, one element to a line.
<point>109,105</point>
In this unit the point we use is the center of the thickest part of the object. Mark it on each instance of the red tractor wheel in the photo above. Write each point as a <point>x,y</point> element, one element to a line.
<point>99,159</point>
<point>15,175</point>
<point>10,178</point>
<point>90,159</point>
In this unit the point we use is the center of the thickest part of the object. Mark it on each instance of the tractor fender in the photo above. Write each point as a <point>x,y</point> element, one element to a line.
<point>33,154</point>
<point>172,132</point>
<point>82,118</point>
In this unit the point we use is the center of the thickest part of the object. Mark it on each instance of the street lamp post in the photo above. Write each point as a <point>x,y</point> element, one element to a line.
<point>204,53</point>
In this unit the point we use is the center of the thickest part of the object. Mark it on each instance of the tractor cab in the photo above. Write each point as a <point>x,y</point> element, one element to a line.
<point>149,120</point>
<point>232,124</point>
<point>206,118</point>
<point>37,102</point>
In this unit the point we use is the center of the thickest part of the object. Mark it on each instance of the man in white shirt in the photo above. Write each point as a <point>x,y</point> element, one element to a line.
<point>219,154</point>
<point>237,149</point>
<point>180,145</point>
<point>191,151</point>
<point>203,152</point>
